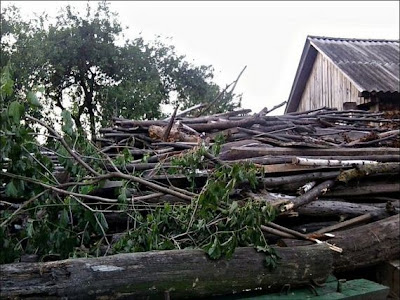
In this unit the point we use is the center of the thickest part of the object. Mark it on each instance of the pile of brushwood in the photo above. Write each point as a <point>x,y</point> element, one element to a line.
<point>303,189</point>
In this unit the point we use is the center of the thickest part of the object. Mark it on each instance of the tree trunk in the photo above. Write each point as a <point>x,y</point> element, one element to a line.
<point>366,189</point>
<point>367,170</point>
<point>92,123</point>
<point>323,208</point>
<point>299,179</point>
<point>367,245</point>
<point>248,152</point>
<point>363,246</point>
<point>181,273</point>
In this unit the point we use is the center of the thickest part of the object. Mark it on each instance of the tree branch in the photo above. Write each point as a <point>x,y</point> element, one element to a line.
<point>64,143</point>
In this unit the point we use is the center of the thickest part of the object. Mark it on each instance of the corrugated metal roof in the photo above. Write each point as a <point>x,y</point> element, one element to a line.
<point>373,65</point>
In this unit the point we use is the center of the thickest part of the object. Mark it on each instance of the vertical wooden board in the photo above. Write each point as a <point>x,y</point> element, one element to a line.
<point>320,87</point>
<point>345,90</point>
<point>354,94</point>
<point>308,94</point>
<point>324,83</point>
<point>332,83</point>
<point>349,89</point>
<point>313,100</point>
<point>307,102</point>
<point>316,87</point>
<point>334,86</point>
<point>342,95</point>
<point>329,82</point>
<point>311,91</point>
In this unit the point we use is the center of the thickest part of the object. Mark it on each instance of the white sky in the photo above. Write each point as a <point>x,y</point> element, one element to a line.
<point>267,36</point>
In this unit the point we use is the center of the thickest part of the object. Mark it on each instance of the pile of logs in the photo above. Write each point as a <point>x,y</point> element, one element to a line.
<point>332,175</point>
<point>301,153</point>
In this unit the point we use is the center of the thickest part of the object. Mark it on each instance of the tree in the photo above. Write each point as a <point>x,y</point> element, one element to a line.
<point>81,66</point>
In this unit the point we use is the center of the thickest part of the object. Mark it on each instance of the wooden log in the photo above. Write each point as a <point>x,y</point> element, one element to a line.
<point>322,109</point>
<point>276,127</point>
<point>274,142</point>
<point>145,123</point>
<point>322,208</point>
<point>247,152</point>
<point>247,122</point>
<point>299,179</point>
<point>214,117</point>
<point>306,228</point>
<point>376,188</point>
<point>366,170</point>
<point>375,120</point>
<point>267,160</point>
<point>229,145</point>
<point>330,162</point>
<point>170,123</point>
<point>276,232</point>
<point>309,196</point>
<point>285,169</point>
<point>363,246</point>
<point>380,136</point>
<point>390,203</point>
<point>367,245</point>
<point>175,273</point>
<point>265,134</point>
<point>348,223</point>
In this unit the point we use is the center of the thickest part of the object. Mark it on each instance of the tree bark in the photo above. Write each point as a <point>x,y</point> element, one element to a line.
<point>300,179</point>
<point>309,196</point>
<point>247,152</point>
<point>367,245</point>
<point>322,208</point>
<point>363,246</point>
<point>180,273</point>
<point>366,170</point>
<point>377,188</point>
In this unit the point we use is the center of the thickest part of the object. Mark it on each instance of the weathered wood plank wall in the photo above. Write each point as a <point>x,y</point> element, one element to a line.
<point>327,86</point>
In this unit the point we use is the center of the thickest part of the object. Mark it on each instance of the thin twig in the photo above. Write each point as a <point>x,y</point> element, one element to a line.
<point>58,190</point>
<point>21,207</point>
<point>64,143</point>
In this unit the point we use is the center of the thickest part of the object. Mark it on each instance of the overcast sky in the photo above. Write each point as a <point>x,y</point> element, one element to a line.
<point>267,36</point>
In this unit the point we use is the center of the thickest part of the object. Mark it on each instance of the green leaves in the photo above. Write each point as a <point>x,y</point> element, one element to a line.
<point>68,124</point>
<point>11,190</point>
<point>32,99</point>
<point>272,258</point>
<point>6,82</point>
<point>214,249</point>
<point>15,111</point>
<point>64,218</point>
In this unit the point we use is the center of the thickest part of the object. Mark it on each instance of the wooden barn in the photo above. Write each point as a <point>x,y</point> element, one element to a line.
<point>346,74</point>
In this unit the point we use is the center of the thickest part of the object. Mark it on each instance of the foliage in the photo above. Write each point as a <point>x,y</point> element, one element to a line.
<point>214,222</point>
<point>19,151</point>
<point>56,219</point>
<point>51,225</point>
<point>189,164</point>
<point>83,66</point>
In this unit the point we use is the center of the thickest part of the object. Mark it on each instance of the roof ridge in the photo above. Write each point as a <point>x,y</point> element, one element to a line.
<point>350,39</point>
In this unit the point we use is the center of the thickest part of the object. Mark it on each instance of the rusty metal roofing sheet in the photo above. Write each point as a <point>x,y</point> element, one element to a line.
<point>372,65</point>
